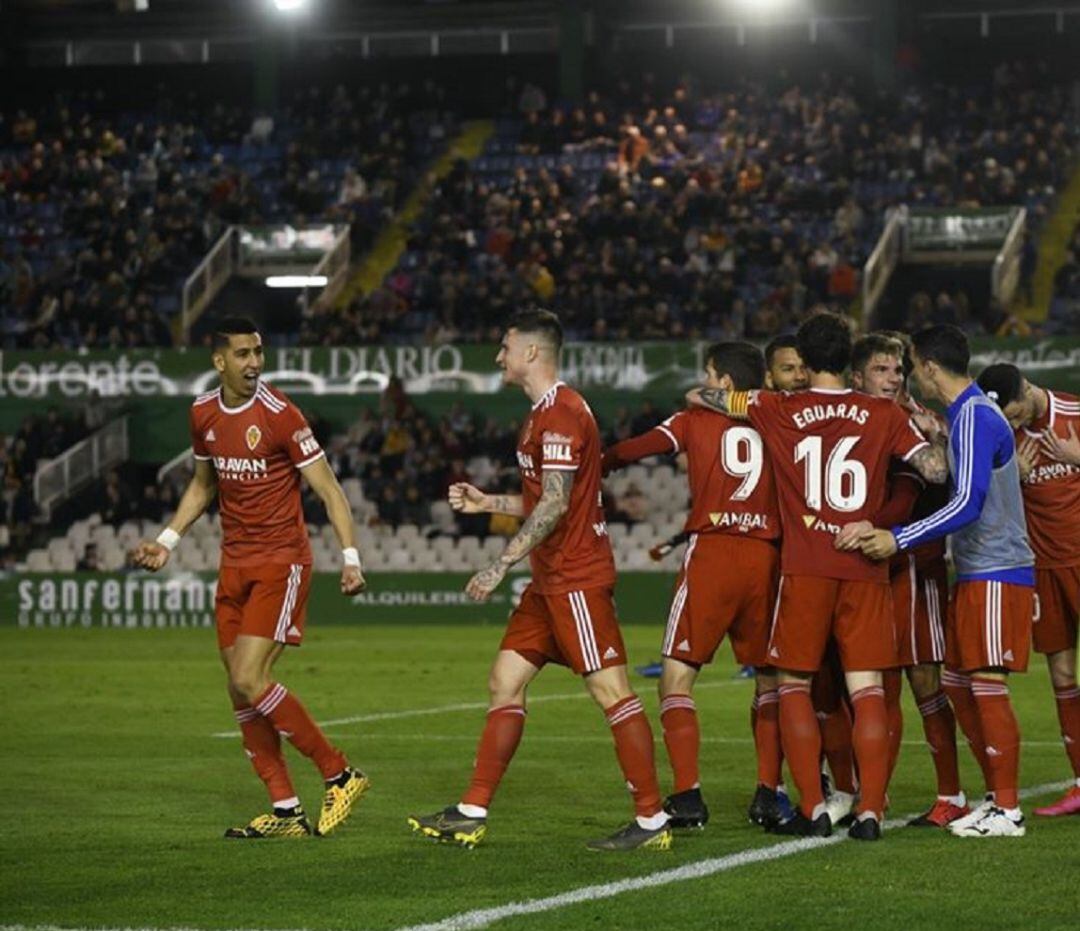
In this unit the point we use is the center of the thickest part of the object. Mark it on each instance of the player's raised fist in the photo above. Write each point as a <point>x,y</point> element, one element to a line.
<point>466,498</point>
<point>352,580</point>
<point>149,555</point>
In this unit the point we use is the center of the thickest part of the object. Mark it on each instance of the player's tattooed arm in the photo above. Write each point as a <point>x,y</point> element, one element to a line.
<point>553,504</point>
<point>732,403</point>
<point>931,463</point>
<point>506,504</point>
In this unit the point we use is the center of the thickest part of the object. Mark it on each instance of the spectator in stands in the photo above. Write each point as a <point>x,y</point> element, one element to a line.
<point>89,561</point>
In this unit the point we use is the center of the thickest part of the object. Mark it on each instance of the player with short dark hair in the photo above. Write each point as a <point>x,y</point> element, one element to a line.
<point>989,632</point>
<point>727,583</point>
<point>830,448</point>
<point>251,446</point>
<point>784,367</point>
<point>567,613</point>
<point>1051,490</point>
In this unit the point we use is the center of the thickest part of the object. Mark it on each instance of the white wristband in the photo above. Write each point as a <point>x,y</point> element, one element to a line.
<point>168,538</point>
<point>351,556</point>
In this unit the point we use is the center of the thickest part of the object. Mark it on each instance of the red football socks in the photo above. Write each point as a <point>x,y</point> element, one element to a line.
<point>892,682</point>
<point>634,749</point>
<point>836,742</point>
<point>678,718</point>
<point>291,719</point>
<point>870,738</point>
<point>957,687</point>
<point>1002,736</point>
<point>263,747</point>
<point>1068,709</point>
<point>801,740</point>
<point>939,726</point>
<point>766,721</point>
<point>498,743</point>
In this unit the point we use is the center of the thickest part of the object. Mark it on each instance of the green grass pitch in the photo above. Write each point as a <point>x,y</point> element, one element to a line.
<point>116,794</point>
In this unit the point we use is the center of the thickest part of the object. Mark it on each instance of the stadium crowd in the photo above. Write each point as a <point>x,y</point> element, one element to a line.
<point>710,215</point>
<point>104,212</point>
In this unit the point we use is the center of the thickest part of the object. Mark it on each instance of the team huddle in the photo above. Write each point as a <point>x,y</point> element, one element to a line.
<point>816,542</point>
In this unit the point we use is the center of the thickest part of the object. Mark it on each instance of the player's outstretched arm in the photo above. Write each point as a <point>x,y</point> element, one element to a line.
<point>553,504</point>
<point>931,463</point>
<point>468,499</point>
<point>732,403</point>
<point>195,500</point>
<point>324,483</point>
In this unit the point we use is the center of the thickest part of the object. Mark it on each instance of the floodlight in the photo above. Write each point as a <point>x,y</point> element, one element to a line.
<point>296,281</point>
<point>289,6</point>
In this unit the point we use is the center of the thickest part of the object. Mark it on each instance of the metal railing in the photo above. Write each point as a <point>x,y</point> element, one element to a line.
<point>1005,273</point>
<point>882,262</point>
<point>203,284</point>
<point>58,479</point>
<point>335,266</point>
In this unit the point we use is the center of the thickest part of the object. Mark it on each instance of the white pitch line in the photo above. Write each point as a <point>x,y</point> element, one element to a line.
<point>464,706</point>
<point>592,738</point>
<point>483,917</point>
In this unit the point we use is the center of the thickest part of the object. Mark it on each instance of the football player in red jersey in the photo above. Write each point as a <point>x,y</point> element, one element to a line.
<point>880,367</point>
<point>1044,421</point>
<point>251,445</point>
<point>727,584</point>
<point>567,613</point>
<point>830,448</point>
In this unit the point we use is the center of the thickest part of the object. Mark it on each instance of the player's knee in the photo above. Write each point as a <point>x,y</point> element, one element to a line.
<point>247,683</point>
<point>1062,668</point>
<point>925,681</point>
<point>607,690</point>
<point>504,691</point>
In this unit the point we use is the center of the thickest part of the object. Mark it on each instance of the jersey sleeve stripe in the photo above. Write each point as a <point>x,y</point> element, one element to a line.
<point>966,430</point>
<point>920,446</point>
<point>202,458</point>
<point>670,436</point>
<point>264,395</point>
<point>319,455</point>
<point>548,467</point>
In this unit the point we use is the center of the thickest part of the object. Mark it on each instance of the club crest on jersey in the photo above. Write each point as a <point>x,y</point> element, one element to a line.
<point>253,435</point>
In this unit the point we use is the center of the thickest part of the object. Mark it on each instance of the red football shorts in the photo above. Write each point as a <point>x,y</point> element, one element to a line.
<point>1054,627</point>
<point>262,601</point>
<point>857,614</point>
<point>727,586</point>
<point>575,629</point>
<point>920,604</point>
<point>989,626</point>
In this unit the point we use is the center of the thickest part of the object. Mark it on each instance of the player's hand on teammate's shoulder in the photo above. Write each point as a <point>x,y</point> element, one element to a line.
<point>850,535</point>
<point>149,554</point>
<point>481,585</point>
<point>466,498</point>
<point>929,426</point>
<point>352,580</point>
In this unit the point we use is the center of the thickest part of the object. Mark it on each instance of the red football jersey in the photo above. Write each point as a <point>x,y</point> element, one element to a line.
<point>830,450</point>
<point>731,483</point>
<point>560,433</point>
<point>932,498</point>
<point>1052,490</point>
<point>257,450</point>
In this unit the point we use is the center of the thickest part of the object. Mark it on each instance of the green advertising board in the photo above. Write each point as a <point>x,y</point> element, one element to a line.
<point>142,601</point>
<point>950,229</point>
<point>155,387</point>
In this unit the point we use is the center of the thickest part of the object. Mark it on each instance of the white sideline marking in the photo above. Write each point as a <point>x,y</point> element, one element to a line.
<point>482,917</point>
<point>464,706</point>
<point>592,738</point>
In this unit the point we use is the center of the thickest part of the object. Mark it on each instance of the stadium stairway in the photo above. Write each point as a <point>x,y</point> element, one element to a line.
<point>1052,246</point>
<point>370,271</point>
